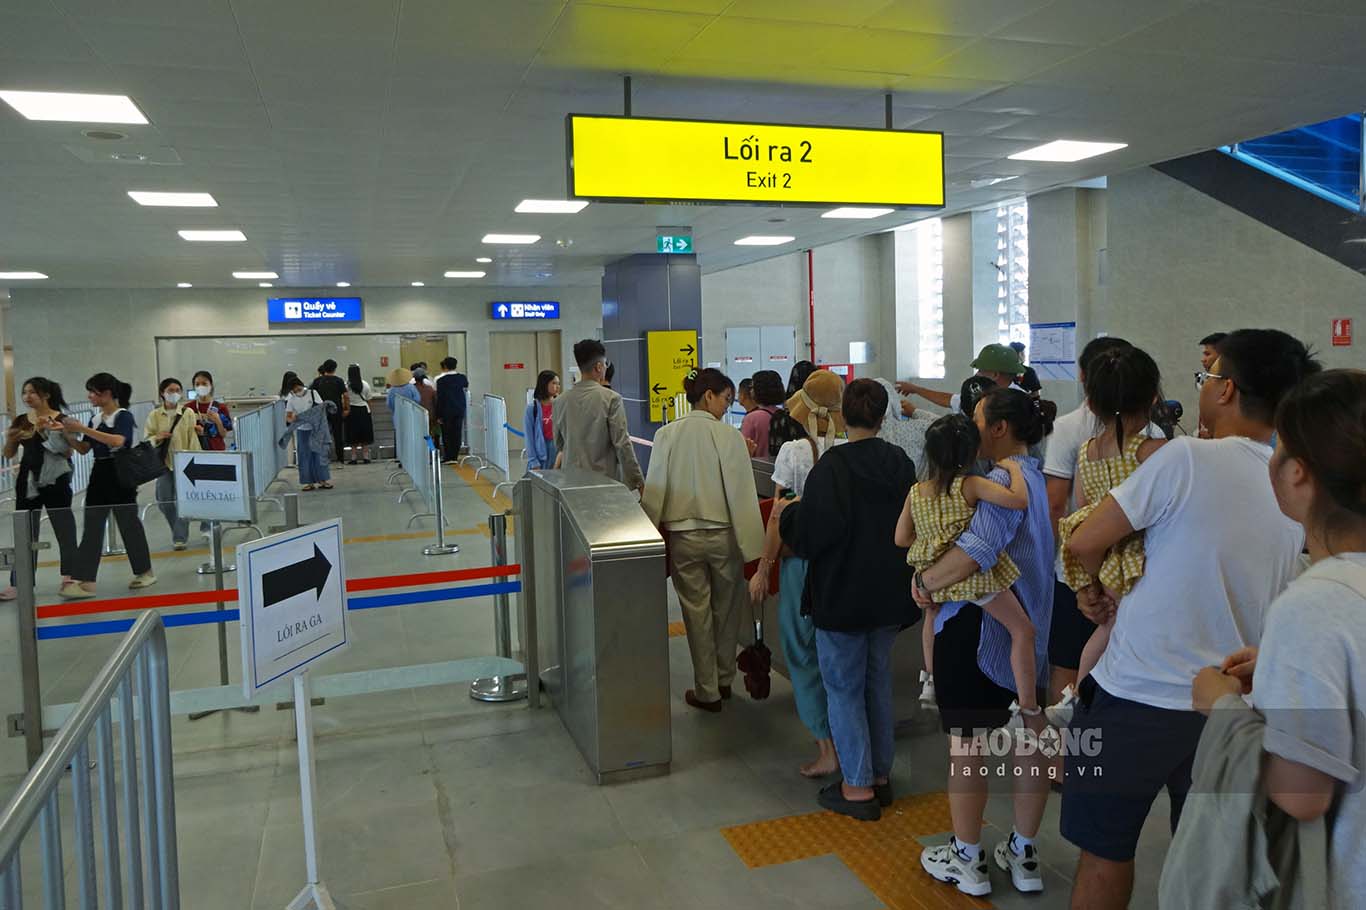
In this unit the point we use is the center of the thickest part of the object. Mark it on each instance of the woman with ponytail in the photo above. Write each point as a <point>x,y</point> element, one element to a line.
<point>44,480</point>
<point>111,428</point>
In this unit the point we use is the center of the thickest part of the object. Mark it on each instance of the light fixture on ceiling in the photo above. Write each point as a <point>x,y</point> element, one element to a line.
<point>1067,150</point>
<point>856,212</point>
<point>265,284</point>
<point>74,107</point>
<point>981,183</point>
<point>483,259</point>
<point>177,200</point>
<point>253,276</point>
<point>213,236</point>
<point>550,206</point>
<point>511,239</point>
<point>184,284</point>
<point>764,240</point>
<point>343,284</point>
<point>465,274</point>
<point>419,284</point>
<point>22,276</point>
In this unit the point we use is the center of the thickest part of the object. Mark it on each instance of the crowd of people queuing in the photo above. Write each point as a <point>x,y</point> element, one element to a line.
<point>1096,581</point>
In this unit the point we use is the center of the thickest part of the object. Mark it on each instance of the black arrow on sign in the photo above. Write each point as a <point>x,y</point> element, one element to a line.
<point>226,473</point>
<point>289,581</point>
<point>659,389</point>
<point>688,350</point>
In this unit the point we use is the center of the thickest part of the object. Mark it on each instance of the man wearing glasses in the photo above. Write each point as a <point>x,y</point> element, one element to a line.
<point>1218,552</point>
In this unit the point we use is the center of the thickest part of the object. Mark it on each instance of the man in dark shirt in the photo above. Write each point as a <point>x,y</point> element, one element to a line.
<point>330,387</point>
<point>1028,380</point>
<point>450,408</point>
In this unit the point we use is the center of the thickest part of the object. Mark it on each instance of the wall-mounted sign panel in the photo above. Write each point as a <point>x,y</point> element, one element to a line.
<point>670,357</point>
<point>293,310</point>
<point>525,309</point>
<point>641,159</point>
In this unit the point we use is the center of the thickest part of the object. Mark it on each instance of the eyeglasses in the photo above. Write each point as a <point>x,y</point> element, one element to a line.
<point>1204,376</point>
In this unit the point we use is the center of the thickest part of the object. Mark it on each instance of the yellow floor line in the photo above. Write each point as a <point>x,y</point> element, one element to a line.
<point>885,855</point>
<point>484,489</point>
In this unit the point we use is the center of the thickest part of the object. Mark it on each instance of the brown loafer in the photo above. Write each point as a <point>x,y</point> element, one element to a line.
<point>713,707</point>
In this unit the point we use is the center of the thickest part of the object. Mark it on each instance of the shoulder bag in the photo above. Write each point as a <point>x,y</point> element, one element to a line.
<point>138,464</point>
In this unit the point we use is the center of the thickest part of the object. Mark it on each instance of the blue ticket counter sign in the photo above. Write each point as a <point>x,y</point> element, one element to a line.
<point>525,309</point>
<point>295,310</point>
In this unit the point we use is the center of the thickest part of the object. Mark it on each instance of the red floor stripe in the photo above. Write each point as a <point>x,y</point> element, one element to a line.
<point>430,578</point>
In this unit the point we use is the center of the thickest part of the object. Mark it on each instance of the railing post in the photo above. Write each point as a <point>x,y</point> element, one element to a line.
<point>291,511</point>
<point>25,611</point>
<point>113,544</point>
<point>158,704</point>
<point>511,687</point>
<point>440,548</point>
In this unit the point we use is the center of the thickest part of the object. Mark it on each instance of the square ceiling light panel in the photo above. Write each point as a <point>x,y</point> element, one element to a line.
<point>174,200</point>
<point>72,107</point>
<point>550,206</point>
<point>511,239</point>
<point>213,236</point>
<point>249,276</point>
<point>856,212</point>
<point>763,240</point>
<point>1067,151</point>
<point>465,274</point>
<point>22,276</point>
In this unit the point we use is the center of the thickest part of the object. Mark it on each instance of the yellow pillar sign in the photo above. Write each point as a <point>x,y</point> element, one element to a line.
<point>671,356</point>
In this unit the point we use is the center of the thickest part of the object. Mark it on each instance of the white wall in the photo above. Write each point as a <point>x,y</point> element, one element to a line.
<point>1181,265</point>
<point>69,334</point>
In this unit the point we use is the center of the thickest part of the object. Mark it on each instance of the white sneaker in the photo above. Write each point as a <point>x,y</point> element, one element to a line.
<point>145,580</point>
<point>1023,867</point>
<point>1060,715</point>
<point>944,863</point>
<point>927,699</point>
<point>1017,717</point>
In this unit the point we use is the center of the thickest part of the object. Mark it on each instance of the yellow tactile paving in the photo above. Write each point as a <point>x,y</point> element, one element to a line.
<point>885,855</point>
<point>677,629</point>
<point>483,488</point>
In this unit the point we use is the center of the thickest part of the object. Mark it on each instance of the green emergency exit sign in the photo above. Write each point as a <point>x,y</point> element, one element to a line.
<point>673,243</point>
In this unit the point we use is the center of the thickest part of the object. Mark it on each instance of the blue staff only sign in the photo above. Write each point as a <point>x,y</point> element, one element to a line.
<point>294,310</point>
<point>525,309</point>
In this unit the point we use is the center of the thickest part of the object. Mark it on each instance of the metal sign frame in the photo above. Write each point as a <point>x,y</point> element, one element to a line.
<point>244,484</point>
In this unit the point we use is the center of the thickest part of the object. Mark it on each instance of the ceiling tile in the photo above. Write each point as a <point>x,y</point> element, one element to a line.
<point>967,123</point>
<point>1088,22</point>
<point>952,17</point>
<point>318,17</point>
<point>494,32</point>
<point>200,14</point>
<point>886,51</point>
<point>157,45</point>
<point>705,7</point>
<point>1240,30</point>
<point>1004,61</point>
<point>615,39</point>
<point>845,12</point>
<point>41,37</point>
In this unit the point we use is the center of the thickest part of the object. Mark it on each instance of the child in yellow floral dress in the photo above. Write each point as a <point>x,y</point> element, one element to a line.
<point>937,512</point>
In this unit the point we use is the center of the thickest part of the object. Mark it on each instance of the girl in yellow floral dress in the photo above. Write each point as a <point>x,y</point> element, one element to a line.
<point>1121,387</point>
<point>937,512</point>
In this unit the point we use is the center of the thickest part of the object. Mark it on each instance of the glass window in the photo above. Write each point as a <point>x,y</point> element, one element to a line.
<point>920,297</point>
<point>1322,158</point>
<point>1012,271</point>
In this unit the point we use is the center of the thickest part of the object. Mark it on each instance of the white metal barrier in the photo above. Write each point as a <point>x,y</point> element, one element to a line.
<point>259,432</point>
<point>411,432</point>
<point>142,868</point>
<point>495,432</point>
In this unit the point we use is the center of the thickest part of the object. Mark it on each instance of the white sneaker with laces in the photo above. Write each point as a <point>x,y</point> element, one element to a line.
<point>946,864</point>
<point>1060,714</point>
<point>145,580</point>
<point>927,699</point>
<point>1023,867</point>
<point>1017,717</point>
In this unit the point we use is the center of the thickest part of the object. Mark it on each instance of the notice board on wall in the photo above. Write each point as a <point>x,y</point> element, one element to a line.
<point>1053,350</point>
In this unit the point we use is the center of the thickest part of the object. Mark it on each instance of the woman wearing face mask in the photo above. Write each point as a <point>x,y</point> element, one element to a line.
<point>305,407</point>
<point>111,428</point>
<point>44,480</point>
<point>172,426</point>
<point>213,419</point>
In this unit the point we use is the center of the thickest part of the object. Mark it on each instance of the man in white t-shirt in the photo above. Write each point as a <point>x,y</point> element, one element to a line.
<point>1219,550</point>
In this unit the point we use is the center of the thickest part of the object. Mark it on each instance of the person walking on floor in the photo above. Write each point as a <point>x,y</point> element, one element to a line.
<point>360,425</point>
<point>214,418</point>
<point>860,593</point>
<point>538,424</point>
<point>44,479</point>
<point>331,388</point>
<point>172,427</point>
<point>452,390</point>
<point>700,491</point>
<point>590,422</point>
<point>309,419</point>
<point>111,428</point>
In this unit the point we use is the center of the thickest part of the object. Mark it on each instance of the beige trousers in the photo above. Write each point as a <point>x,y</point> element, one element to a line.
<point>709,576</point>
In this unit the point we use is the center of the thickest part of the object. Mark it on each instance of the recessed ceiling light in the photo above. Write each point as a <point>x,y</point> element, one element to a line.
<point>265,284</point>
<point>981,183</point>
<point>343,284</point>
<point>213,236</point>
<point>465,274</point>
<point>419,284</point>
<point>184,284</point>
<point>22,276</point>
<point>511,239</point>
<point>1067,150</point>
<point>763,240</point>
<point>73,107</point>
<point>249,276</point>
<point>550,206</point>
<point>483,259</point>
<point>856,212</point>
<point>179,200</point>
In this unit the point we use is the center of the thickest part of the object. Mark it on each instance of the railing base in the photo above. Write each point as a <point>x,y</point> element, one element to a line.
<point>440,550</point>
<point>207,568</point>
<point>498,689</point>
<point>313,897</point>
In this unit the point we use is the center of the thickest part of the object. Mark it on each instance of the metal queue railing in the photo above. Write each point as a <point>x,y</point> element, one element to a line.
<point>420,459</point>
<point>141,869</point>
<point>258,432</point>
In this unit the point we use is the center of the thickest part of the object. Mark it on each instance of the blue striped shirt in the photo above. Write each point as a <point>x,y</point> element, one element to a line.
<point>1027,536</point>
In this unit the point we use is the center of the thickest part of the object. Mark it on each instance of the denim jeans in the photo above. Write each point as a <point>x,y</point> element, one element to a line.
<point>799,648</point>
<point>313,467</point>
<point>857,669</point>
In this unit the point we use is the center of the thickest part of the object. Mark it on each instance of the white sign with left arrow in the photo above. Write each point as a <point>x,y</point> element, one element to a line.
<point>292,598</point>
<point>215,486</point>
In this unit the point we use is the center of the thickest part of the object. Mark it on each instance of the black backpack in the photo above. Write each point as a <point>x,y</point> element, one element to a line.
<point>782,428</point>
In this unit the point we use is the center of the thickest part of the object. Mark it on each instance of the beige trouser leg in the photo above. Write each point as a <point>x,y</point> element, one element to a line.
<point>709,579</point>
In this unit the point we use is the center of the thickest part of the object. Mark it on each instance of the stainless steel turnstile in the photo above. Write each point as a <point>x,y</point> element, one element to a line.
<point>594,597</point>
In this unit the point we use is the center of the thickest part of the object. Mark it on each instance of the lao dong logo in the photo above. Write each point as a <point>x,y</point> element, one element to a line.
<point>1049,743</point>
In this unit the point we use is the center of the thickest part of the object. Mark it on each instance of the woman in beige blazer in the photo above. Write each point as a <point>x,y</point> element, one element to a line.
<point>700,490</point>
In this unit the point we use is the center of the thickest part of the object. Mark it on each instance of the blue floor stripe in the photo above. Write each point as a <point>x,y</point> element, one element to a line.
<point>418,597</point>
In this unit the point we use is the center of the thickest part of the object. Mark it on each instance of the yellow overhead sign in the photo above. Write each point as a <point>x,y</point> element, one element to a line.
<point>671,357</point>
<point>643,159</point>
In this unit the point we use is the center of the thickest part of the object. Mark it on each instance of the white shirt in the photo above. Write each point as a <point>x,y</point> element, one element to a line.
<point>297,404</point>
<point>795,461</point>
<point>363,399</point>
<point>1219,551</point>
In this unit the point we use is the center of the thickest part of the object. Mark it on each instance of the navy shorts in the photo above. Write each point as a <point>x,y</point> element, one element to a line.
<point>1129,752</point>
<point>969,702</point>
<point>1069,630</point>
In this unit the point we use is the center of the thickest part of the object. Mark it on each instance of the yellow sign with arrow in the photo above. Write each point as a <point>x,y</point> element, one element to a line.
<point>671,357</point>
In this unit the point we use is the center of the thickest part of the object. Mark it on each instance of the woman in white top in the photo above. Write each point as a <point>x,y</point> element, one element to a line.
<point>700,489</point>
<point>1308,679</point>
<point>360,428</point>
<point>314,472</point>
<point>816,408</point>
